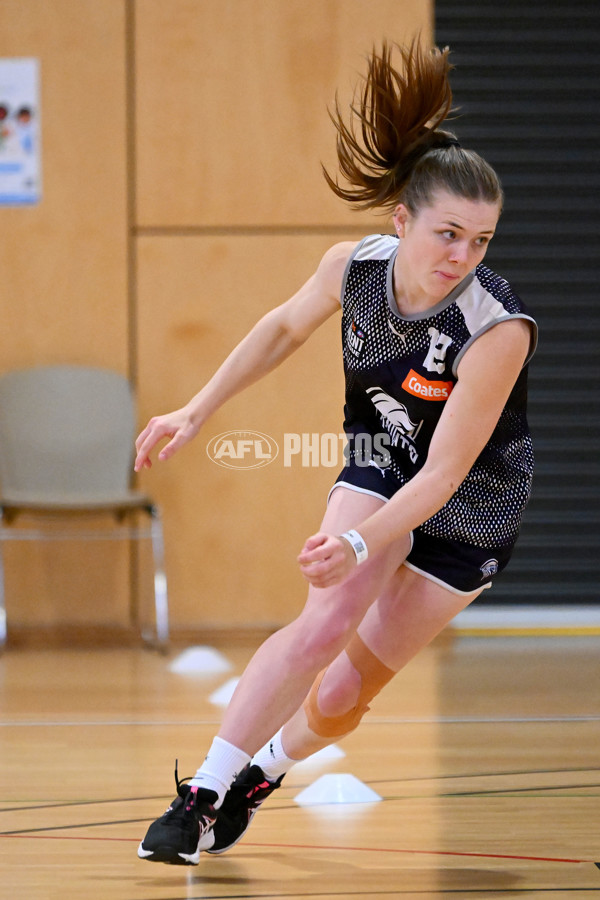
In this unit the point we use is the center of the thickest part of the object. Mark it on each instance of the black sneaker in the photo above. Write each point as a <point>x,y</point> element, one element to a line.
<point>184,830</point>
<point>241,802</point>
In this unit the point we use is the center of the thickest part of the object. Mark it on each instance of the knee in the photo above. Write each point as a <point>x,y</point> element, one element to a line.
<point>339,689</point>
<point>335,705</point>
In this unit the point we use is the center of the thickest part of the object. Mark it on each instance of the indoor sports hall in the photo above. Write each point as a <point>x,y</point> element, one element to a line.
<point>161,189</point>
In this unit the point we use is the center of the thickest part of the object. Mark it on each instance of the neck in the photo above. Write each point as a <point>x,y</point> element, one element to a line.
<point>409,299</point>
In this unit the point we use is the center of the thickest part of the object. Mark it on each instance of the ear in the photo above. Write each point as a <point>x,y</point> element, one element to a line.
<point>400,218</point>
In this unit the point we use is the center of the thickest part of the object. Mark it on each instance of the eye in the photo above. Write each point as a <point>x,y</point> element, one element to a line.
<point>482,241</point>
<point>450,235</point>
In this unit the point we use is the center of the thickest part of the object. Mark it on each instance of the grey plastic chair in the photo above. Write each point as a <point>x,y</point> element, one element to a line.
<point>66,447</point>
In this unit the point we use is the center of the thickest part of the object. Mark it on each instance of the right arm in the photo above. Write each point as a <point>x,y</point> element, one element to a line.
<point>269,343</point>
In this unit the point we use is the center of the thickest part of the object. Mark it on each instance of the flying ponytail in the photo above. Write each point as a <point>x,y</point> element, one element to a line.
<point>393,149</point>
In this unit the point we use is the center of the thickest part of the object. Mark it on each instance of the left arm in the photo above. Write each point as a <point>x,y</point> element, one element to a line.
<point>486,375</point>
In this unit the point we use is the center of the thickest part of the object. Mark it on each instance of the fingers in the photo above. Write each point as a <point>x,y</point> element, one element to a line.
<point>169,426</point>
<point>145,443</point>
<point>325,561</point>
<point>143,446</point>
<point>313,549</point>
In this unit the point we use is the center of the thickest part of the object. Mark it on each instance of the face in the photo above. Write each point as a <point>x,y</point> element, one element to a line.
<point>440,245</point>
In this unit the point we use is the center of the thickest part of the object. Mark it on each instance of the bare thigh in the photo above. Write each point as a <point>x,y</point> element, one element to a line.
<point>282,669</point>
<point>408,614</point>
<point>350,599</point>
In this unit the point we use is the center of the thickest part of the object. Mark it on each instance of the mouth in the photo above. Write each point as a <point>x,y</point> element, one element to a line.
<point>447,276</point>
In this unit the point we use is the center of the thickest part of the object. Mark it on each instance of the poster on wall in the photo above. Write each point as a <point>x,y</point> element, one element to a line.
<point>20,168</point>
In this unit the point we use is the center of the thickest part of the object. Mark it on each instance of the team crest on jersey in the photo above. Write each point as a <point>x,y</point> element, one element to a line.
<point>355,338</point>
<point>489,568</point>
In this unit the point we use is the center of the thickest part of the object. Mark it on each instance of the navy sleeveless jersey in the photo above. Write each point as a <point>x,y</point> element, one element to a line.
<point>400,370</point>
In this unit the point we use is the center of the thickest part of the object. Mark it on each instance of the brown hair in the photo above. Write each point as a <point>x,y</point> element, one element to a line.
<point>393,149</point>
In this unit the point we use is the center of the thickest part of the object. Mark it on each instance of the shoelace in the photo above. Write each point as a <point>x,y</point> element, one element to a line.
<point>179,782</point>
<point>178,810</point>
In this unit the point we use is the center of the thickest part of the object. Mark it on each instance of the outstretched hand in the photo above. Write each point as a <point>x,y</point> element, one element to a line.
<point>176,425</point>
<point>326,560</point>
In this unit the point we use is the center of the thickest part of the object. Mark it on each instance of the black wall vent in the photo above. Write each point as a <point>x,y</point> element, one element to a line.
<point>527,81</point>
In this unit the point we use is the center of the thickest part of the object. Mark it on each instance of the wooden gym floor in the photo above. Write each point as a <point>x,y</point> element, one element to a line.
<point>485,753</point>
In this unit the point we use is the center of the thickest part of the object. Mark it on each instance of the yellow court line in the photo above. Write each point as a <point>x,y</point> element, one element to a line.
<point>528,631</point>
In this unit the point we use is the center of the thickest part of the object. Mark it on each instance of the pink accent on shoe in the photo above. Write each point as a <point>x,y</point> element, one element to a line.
<point>193,790</point>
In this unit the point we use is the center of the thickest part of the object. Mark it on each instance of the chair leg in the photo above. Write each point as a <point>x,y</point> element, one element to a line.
<point>161,603</point>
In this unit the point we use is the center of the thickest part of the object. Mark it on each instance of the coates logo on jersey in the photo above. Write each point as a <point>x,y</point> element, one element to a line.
<point>242,450</point>
<point>425,389</point>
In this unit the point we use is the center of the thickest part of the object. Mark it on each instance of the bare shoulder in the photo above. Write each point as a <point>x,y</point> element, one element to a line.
<point>333,265</point>
<point>504,346</point>
<point>339,253</point>
<point>509,335</point>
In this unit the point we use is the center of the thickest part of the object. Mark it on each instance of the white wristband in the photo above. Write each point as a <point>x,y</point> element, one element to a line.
<point>357,544</point>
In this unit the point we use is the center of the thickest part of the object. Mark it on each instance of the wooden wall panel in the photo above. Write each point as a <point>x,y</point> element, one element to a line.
<point>232,536</point>
<point>64,264</point>
<point>232,125</point>
<point>232,104</point>
<point>63,261</point>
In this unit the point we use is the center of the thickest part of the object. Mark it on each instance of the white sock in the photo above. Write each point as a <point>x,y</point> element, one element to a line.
<point>223,762</point>
<point>273,759</point>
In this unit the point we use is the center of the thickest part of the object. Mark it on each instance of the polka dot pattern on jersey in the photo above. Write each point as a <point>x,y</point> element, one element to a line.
<point>399,371</point>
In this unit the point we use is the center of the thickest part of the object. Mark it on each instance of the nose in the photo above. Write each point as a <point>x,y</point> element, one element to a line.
<point>458,252</point>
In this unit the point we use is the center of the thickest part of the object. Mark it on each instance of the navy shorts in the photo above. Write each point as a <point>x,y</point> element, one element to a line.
<point>460,567</point>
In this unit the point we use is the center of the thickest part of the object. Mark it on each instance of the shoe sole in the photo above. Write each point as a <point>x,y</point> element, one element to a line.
<point>170,856</point>
<point>166,854</point>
